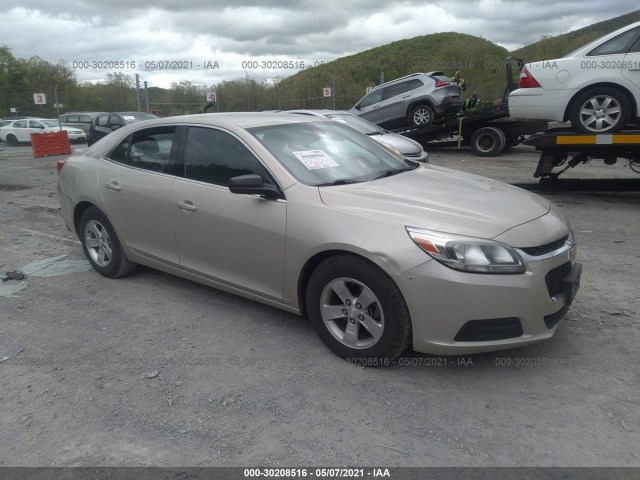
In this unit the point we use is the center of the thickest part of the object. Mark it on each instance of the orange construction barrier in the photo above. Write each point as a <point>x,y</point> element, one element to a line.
<point>52,143</point>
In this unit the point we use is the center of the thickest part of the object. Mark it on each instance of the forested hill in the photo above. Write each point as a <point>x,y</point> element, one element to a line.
<point>480,60</point>
<point>558,46</point>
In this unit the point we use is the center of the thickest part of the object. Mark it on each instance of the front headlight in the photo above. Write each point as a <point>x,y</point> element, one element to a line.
<point>468,254</point>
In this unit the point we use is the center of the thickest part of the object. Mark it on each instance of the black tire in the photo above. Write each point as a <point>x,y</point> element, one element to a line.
<point>12,140</point>
<point>380,326</point>
<point>487,141</point>
<point>600,110</point>
<point>421,116</point>
<point>95,227</point>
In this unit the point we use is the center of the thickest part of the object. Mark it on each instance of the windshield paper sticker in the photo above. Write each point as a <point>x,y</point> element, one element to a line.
<point>128,117</point>
<point>315,159</point>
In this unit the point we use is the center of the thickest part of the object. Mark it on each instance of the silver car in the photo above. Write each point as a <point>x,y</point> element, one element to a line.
<point>415,100</point>
<point>310,216</point>
<point>81,120</point>
<point>405,146</point>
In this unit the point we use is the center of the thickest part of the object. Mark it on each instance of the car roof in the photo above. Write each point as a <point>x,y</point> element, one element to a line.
<point>318,113</point>
<point>17,118</point>
<point>407,77</point>
<point>35,118</point>
<point>240,119</point>
<point>83,113</point>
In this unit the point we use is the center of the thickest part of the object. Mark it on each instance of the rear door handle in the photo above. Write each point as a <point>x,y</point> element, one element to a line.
<point>634,69</point>
<point>187,206</point>
<point>113,186</point>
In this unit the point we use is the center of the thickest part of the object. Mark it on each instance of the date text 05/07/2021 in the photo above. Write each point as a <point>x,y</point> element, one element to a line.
<point>146,65</point>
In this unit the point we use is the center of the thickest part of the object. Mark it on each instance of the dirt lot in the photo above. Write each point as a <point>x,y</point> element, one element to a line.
<point>155,370</point>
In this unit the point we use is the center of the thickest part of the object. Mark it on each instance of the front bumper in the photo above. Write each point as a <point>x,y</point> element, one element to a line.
<point>423,157</point>
<point>458,313</point>
<point>77,137</point>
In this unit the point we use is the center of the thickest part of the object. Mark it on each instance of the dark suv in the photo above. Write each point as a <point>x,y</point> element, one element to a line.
<point>105,124</point>
<point>417,99</point>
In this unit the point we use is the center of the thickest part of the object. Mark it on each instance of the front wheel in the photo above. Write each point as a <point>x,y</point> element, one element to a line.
<point>601,110</point>
<point>12,140</point>
<point>358,311</point>
<point>422,116</point>
<point>102,246</point>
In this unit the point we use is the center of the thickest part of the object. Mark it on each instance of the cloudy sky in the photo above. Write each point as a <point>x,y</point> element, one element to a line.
<point>251,35</point>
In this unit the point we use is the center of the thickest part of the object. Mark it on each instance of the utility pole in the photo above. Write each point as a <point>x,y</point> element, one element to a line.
<point>146,96</point>
<point>333,91</point>
<point>138,92</point>
<point>57,105</point>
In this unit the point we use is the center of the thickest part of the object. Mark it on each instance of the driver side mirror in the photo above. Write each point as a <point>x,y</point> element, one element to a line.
<point>252,184</point>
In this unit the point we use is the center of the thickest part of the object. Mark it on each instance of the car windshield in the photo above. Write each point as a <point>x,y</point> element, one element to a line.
<point>360,124</point>
<point>328,153</point>
<point>50,123</point>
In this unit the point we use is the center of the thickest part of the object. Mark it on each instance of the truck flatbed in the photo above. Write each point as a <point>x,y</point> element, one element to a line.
<point>488,131</point>
<point>563,147</point>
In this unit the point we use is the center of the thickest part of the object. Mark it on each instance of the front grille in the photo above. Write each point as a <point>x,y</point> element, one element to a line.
<point>490,329</point>
<point>554,279</point>
<point>544,249</point>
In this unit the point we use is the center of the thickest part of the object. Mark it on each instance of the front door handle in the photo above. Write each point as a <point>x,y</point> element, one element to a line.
<point>187,206</point>
<point>112,186</point>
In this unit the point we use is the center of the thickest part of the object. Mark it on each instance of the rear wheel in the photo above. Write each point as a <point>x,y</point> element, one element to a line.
<point>358,311</point>
<point>102,246</point>
<point>12,139</point>
<point>601,110</point>
<point>487,141</point>
<point>421,116</point>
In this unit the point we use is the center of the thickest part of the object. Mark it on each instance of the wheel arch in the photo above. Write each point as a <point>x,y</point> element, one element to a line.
<point>423,101</point>
<point>312,263</point>
<point>625,91</point>
<point>77,213</point>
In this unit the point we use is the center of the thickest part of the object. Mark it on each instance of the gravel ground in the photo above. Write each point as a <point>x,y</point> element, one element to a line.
<point>156,370</point>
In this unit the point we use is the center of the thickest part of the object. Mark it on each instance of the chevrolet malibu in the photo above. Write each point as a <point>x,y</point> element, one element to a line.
<point>308,215</point>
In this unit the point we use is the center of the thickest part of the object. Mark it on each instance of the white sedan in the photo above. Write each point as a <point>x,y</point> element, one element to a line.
<point>596,87</point>
<point>19,131</point>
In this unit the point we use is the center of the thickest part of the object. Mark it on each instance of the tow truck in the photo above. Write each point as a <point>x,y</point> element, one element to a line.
<point>488,130</point>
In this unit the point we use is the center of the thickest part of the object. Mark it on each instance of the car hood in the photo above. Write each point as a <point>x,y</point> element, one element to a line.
<point>444,200</point>
<point>406,146</point>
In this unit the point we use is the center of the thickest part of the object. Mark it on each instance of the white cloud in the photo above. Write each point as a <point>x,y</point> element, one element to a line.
<point>248,30</point>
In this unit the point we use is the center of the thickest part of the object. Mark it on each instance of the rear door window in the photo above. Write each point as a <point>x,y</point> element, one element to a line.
<point>619,44</point>
<point>149,149</point>
<point>395,90</point>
